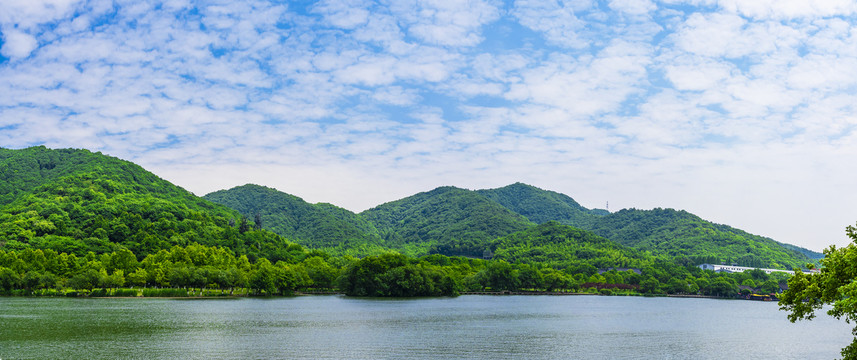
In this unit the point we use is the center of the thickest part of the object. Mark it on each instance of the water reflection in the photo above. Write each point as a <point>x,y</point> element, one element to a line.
<point>337,327</point>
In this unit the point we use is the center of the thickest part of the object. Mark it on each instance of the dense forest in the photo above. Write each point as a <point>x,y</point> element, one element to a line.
<point>199,269</point>
<point>446,220</point>
<point>73,221</point>
<point>107,204</point>
<point>320,226</point>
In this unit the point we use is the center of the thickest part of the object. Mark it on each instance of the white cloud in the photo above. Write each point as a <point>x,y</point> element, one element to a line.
<point>396,95</point>
<point>445,22</point>
<point>696,74</point>
<point>27,14</point>
<point>556,19</point>
<point>585,86</point>
<point>348,14</point>
<point>634,7</point>
<point>17,44</point>
<point>789,9</point>
<point>732,36</point>
<point>720,110</point>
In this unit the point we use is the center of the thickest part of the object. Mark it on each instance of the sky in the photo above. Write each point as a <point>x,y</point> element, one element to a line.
<point>741,112</point>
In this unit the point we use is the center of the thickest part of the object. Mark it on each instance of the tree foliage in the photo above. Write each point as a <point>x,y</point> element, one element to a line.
<point>834,285</point>
<point>101,204</point>
<point>446,220</point>
<point>679,233</point>
<point>320,226</point>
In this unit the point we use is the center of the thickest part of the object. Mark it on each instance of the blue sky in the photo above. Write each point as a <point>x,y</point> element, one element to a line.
<point>742,112</point>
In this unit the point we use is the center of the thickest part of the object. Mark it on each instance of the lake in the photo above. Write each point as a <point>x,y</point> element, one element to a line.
<point>338,327</point>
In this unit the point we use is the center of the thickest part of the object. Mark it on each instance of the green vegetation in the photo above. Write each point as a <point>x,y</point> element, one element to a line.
<point>679,233</point>
<point>393,275</point>
<point>447,220</point>
<point>564,247</point>
<point>108,205</point>
<point>197,270</point>
<point>541,206</point>
<point>177,269</point>
<point>833,285</point>
<point>664,232</point>
<point>453,221</point>
<point>320,226</point>
<point>23,171</point>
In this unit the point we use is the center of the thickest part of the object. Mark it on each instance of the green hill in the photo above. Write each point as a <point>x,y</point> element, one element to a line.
<point>661,231</point>
<point>24,170</point>
<point>541,206</point>
<point>88,201</point>
<point>78,201</point>
<point>680,233</point>
<point>322,226</point>
<point>446,220</point>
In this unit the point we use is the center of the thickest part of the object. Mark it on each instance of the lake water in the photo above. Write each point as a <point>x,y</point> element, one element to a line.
<point>337,327</point>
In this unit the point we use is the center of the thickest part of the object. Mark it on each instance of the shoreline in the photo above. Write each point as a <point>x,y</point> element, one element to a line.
<point>332,293</point>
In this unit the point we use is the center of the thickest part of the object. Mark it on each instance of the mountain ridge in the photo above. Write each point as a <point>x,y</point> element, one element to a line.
<point>446,220</point>
<point>406,224</point>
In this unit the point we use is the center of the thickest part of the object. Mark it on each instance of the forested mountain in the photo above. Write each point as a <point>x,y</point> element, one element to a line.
<point>680,233</point>
<point>77,201</point>
<point>322,226</point>
<point>454,221</point>
<point>661,231</point>
<point>85,201</point>
<point>22,171</point>
<point>446,220</point>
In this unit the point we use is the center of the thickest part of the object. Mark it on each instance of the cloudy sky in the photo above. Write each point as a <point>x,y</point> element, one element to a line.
<point>742,112</point>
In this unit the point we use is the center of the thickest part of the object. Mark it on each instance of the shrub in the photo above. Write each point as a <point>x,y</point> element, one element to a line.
<point>126,292</point>
<point>164,293</point>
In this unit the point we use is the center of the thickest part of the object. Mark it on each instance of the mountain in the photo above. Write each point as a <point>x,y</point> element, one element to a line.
<point>24,170</point>
<point>322,226</point>
<point>75,201</point>
<point>446,220</point>
<point>661,231</point>
<point>78,201</point>
<point>541,206</point>
<point>680,233</point>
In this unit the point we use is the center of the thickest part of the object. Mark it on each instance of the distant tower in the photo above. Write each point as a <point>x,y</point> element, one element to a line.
<point>607,207</point>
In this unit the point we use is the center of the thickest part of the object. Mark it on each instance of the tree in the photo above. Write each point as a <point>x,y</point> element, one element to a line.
<point>650,285</point>
<point>264,278</point>
<point>323,275</point>
<point>87,280</point>
<point>258,221</point>
<point>9,280</point>
<point>244,226</point>
<point>833,285</point>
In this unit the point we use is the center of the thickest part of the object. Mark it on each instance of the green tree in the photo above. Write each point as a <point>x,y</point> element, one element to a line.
<point>502,276</point>
<point>264,278</point>
<point>137,278</point>
<point>834,285</point>
<point>87,280</point>
<point>9,280</point>
<point>322,274</point>
<point>650,285</point>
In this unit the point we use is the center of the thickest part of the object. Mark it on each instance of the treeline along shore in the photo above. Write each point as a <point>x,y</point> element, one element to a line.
<point>198,270</point>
